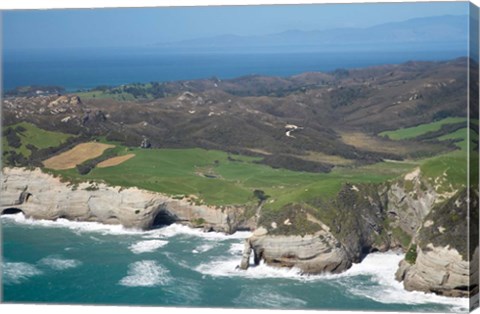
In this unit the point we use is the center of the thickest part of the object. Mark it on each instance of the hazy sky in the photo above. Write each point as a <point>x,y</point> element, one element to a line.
<point>138,27</point>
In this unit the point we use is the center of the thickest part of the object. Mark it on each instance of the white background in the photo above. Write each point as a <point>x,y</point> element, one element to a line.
<point>46,4</point>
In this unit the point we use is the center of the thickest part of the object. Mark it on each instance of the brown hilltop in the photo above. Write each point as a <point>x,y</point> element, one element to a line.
<point>337,113</point>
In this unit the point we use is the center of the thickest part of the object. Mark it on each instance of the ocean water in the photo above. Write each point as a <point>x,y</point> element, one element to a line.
<point>84,69</point>
<point>67,262</point>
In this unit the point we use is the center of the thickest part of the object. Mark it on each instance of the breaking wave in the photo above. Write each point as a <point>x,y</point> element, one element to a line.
<point>15,273</point>
<point>76,226</point>
<point>147,246</point>
<point>229,268</point>
<point>203,248</point>
<point>165,232</point>
<point>177,229</point>
<point>146,273</point>
<point>379,267</point>
<point>56,263</point>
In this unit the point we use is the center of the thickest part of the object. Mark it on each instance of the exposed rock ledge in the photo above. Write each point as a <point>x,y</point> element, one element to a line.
<point>312,254</point>
<point>42,196</point>
<point>440,270</point>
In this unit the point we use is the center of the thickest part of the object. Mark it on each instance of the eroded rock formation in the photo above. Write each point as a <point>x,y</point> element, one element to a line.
<point>408,213</point>
<point>312,254</point>
<point>41,196</point>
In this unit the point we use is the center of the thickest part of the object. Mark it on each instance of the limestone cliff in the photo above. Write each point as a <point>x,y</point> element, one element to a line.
<point>429,224</point>
<point>439,258</point>
<point>312,254</point>
<point>408,213</point>
<point>42,196</point>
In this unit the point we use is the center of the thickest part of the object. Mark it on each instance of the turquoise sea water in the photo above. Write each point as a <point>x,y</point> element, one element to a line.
<point>88,263</point>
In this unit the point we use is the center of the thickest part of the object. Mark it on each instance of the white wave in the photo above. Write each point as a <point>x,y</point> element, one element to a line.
<point>178,229</point>
<point>15,273</point>
<point>236,249</point>
<point>381,287</point>
<point>381,268</point>
<point>146,274</point>
<point>165,232</point>
<point>77,226</point>
<point>203,248</point>
<point>228,268</point>
<point>266,298</point>
<point>147,246</point>
<point>56,263</point>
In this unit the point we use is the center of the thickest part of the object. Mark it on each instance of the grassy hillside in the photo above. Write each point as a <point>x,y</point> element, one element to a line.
<point>409,133</point>
<point>448,171</point>
<point>219,178</point>
<point>29,134</point>
<point>451,167</point>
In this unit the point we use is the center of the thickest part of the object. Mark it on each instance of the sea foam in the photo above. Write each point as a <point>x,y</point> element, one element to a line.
<point>380,267</point>
<point>229,268</point>
<point>76,226</point>
<point>236,249</point>
<point>57,263</point>
<point>164,232</point>
<point>178,229</point>
<point>146,273</point>
<point>15,273</point>
<point>147,246</point>
<point>203,248</point>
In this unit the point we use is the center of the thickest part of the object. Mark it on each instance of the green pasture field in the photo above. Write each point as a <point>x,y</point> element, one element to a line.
<point>217,178</point>
<point>408,133</point>
<point>35,136</point>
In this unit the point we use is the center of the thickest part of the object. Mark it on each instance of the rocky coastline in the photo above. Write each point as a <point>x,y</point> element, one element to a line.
<point>384,216</point>
<point>42,196</point>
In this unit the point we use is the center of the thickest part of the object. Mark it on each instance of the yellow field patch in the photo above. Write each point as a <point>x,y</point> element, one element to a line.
<point>325,158</point>
<point>373,143</point>
<point>115,161</point>
<point>75,156</point>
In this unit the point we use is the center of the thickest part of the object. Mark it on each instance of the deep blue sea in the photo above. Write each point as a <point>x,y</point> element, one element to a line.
<point>84,69</point>
<point>87,263</point>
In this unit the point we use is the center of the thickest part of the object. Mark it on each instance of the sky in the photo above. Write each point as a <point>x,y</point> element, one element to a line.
<point>136,27</point>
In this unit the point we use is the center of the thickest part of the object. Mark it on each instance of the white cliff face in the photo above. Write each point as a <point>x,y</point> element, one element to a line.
<point>411,205</point>
<point>42,196</point>
<point>313,254</point>
<point>437,269</point>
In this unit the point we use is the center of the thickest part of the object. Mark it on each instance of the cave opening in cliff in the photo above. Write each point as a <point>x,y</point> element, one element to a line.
<point>163,218</point>
<point>11,211</point>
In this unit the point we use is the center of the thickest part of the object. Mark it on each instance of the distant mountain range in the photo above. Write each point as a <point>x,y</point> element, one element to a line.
<point>444,32</point>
